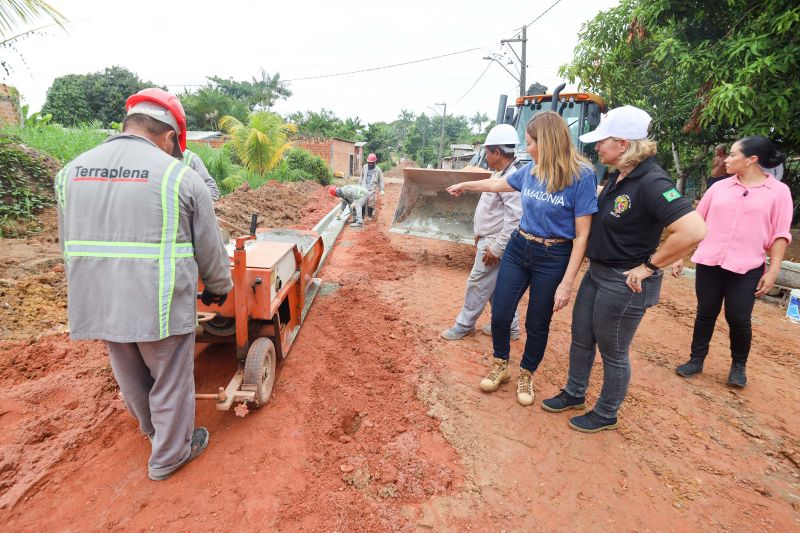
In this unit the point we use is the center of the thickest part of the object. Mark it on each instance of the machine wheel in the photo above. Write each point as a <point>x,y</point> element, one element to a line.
<point>259,369</point>
<point>220,326</point>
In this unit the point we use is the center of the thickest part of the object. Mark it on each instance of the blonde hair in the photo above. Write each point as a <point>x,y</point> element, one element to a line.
<point>559,163</point>
<point>637,151</point>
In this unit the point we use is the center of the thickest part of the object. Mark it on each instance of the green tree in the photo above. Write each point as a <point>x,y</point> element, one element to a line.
<point>707,71</point>
<point>206,106</point>
<point>258,94</point>
<point>78,98</point>
<point>261,143</point>
<point>478,119</point>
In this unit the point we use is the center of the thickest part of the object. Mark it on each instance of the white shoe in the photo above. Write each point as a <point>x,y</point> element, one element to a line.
<point>487,330</point>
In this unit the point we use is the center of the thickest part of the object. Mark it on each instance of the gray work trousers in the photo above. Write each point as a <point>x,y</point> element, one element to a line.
<point>480,288</point>
<point>358,207</point>
<point>157,384</point>
<point>371,197</point>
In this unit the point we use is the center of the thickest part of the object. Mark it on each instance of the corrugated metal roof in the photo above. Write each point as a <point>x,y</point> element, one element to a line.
<point>202,135</point>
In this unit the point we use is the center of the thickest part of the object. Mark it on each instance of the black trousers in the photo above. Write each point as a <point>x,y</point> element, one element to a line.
<point>713,286</point>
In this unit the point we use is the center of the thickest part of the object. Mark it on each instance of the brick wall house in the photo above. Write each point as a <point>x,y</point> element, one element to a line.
<point>9,112</point>
<point>340,155</point>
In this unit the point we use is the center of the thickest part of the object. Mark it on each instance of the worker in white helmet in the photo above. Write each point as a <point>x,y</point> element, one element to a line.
<point>496,217</point>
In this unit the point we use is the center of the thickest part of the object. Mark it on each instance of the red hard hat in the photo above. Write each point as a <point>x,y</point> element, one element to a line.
<point>371,158</point>
<point>332,190</point>
<point>165,99</point>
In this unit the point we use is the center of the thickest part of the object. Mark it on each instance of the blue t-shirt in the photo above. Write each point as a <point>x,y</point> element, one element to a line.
<point>552,215</point>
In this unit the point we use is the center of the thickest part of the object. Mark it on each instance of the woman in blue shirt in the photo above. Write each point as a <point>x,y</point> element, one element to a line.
<point>559,195</point>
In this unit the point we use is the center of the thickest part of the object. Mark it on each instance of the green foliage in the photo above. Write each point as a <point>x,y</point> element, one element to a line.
<point>261,143</point>
<point>381,140</point>
<point>385,166</point>
<point>325,123</point>
<point>61,143</point>
<point>308,166</point>
<point>205,107</point>
<point>422,144</point>
<point>14,13</point>
<point>479,119</point>
<point>34,120</point>
<point>23,181</point>
<point>707,71</point>
<point>258,94</point>
<point>80,98</point>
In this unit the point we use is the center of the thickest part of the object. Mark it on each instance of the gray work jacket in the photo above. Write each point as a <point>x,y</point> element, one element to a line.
<point>498,214</point>
<point>136,226</point>
<point>371,180</point>
<point>351,193</point>
<point>193,160</point>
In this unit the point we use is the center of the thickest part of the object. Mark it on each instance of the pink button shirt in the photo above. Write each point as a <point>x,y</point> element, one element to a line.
<point>743,223</point>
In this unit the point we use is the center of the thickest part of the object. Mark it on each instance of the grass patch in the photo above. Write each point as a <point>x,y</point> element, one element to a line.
<point>64,144</point>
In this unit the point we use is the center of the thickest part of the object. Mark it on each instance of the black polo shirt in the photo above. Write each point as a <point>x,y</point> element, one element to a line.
<point>632,214</point>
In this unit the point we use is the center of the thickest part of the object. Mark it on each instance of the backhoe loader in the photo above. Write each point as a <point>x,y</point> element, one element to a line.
<point>425,209</point>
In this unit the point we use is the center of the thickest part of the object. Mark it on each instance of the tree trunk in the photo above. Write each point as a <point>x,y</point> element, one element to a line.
<point>681,184</point>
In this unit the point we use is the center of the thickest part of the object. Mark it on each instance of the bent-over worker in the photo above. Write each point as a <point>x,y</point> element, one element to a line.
<point>137,226</point>
<point>353,197</point>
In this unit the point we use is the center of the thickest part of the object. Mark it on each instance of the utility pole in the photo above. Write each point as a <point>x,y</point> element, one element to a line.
<point>441,133</point>
<point>522,65</point>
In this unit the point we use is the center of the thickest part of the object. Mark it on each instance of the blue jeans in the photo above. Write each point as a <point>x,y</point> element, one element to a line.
<point>606,315</point>
<point>527,264</point>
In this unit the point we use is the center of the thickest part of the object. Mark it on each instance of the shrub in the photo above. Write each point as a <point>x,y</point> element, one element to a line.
<point>64,144</point>
<point>385,166</point>
<point>312,167</point>
<point>25,185</point>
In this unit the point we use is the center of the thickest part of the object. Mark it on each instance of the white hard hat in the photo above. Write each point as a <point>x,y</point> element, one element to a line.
<point>626,122</point>
<point>501,135</point>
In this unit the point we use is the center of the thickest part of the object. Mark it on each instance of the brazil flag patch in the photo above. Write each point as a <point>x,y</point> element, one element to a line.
<point>671,195</point>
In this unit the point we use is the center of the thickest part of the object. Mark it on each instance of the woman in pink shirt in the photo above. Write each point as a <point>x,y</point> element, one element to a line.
<point>747,215</point>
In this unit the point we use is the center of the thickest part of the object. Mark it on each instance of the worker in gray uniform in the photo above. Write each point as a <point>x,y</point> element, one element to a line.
<point>192,160</point>
<point>496,217</point>
<point>372,181</point>
<point>136,227</point>
<point>353,197</point>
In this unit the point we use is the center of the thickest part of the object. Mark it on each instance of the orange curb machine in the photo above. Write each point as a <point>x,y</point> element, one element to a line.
<point>273,287</point>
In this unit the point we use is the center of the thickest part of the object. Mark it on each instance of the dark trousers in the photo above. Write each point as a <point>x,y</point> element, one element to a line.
<point>605,316</point>
<point>713,286</point>
<point>527,264</point>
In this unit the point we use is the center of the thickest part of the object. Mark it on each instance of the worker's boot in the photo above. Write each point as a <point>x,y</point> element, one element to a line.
<point>525,394</point>
<point>357,224</point>
<point>737,376</point>
<point>691,367</point>
<point>487,330</point>
<point>497,376</point>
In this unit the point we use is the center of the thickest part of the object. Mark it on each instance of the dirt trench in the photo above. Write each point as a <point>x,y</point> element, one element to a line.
<point>377,424</point>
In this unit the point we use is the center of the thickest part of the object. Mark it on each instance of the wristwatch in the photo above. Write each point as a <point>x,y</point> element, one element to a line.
<point>651,267</point>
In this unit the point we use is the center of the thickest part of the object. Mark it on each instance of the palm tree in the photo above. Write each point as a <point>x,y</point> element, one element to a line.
<point>14,13</point>
<point>261,143</point>
<point>479,119</point>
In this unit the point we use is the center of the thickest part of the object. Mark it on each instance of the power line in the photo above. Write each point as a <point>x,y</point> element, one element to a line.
<point>473,85</point>
<point>382,67</point>
<point>543,13</point>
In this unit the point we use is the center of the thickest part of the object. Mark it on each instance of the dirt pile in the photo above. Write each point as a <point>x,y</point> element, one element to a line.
<point>279,205</point>
<point>397,172</point>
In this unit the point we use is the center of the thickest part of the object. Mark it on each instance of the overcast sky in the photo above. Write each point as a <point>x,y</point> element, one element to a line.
<point>179,43</point>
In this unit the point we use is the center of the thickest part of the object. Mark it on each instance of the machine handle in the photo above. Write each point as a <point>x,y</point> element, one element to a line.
<point>253,224</point>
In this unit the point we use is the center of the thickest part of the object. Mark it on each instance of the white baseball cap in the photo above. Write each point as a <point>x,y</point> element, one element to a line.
<point>626,122</point>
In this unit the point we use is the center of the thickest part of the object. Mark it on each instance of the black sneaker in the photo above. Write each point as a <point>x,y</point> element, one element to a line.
<point>562,402</point>
<point>591,422</point>
<point>199,443</point>
<point>737,376</point>
<point>691,367</point>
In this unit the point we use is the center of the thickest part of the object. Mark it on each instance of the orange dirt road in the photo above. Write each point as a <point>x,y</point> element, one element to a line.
<point>377,424</point>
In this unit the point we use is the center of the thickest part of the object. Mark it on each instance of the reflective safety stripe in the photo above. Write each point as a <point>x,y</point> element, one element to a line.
<point>170,210</point>
<point>187,157</point>
<point>130,250</point>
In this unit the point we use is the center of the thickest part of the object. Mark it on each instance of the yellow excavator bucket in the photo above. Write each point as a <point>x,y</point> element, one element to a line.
<point>426,209</point>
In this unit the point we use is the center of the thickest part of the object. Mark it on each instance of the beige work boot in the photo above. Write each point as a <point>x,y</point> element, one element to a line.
<point>497,376</point>
<point>525,394</point>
